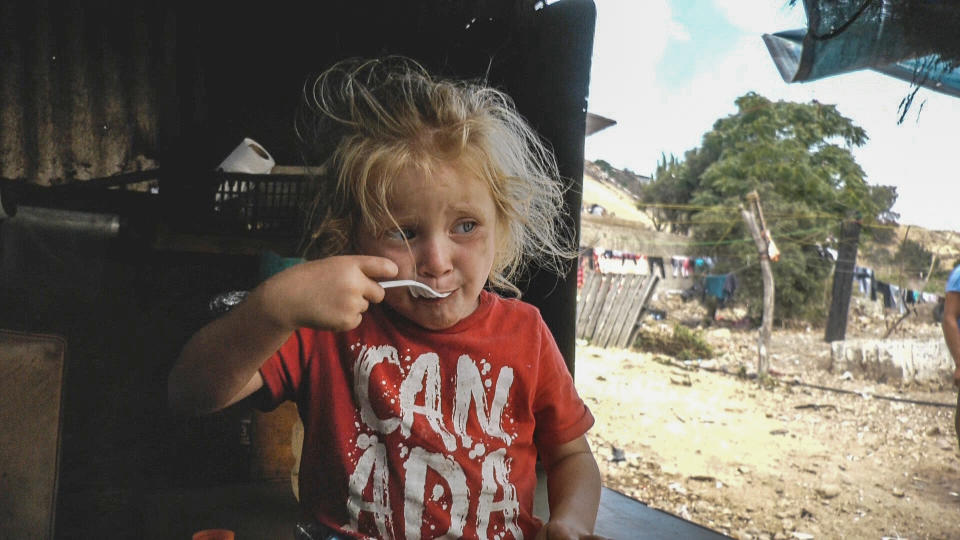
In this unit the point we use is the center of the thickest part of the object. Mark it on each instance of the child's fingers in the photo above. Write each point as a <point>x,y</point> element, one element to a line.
<point>377,267</point>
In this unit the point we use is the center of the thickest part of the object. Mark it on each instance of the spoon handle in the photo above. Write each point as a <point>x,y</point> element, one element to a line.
<point>397,283</point>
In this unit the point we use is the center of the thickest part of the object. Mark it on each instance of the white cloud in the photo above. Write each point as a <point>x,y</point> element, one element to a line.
<point>630,39</point>
<point>678,32</point>
<point>652,119</point>
<point>628,42</point>
<point>762,16</point>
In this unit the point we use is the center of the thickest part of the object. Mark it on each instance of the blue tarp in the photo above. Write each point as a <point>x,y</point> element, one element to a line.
<point>844,36</point>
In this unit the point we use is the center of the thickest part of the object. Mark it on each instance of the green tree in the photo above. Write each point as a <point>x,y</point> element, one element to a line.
<point>797,156</point>
<point>912,258</point>
<point>604,166</point>
<point>666,197</point>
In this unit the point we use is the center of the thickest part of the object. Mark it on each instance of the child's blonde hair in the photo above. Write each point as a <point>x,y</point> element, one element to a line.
<point>368,120</point>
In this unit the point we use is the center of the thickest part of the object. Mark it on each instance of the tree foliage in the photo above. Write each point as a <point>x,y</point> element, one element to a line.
<point>913,258</point>
<point>797,156</point>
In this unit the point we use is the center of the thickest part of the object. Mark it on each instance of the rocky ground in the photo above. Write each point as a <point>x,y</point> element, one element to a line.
<point>809,454</point>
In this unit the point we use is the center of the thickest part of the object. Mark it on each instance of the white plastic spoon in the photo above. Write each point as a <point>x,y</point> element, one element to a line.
<point>416,288</point>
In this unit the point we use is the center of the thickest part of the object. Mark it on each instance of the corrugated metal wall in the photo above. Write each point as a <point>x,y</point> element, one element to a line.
<point>78,89</point>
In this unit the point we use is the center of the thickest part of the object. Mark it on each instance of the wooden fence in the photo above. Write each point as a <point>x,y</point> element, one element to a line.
<point>610,305</point>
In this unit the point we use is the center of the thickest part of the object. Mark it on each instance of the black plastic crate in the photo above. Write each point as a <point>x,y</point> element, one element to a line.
<point>260,204</point>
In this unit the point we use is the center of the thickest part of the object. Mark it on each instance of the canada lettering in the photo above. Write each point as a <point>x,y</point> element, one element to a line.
<point>419,393</point>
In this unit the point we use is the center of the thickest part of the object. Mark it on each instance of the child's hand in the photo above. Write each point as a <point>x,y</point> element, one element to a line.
<point>331,293</point>
<point>558,530</point>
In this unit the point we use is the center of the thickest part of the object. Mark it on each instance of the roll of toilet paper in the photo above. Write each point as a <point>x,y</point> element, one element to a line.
<point>248,157</point>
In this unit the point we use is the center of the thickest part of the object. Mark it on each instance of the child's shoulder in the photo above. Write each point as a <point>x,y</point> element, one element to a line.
<point>513,307</point>
<point>953,282</point>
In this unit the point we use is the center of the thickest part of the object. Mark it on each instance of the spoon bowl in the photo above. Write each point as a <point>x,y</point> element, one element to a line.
<point>417,289</point>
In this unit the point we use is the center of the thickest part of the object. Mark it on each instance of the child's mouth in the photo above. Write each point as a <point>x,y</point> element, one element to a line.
<point>427,297</point>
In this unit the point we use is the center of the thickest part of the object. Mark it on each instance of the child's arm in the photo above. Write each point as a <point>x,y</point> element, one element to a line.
<point>573,488</point>
<point>219,365</point>
<point>951,330</point>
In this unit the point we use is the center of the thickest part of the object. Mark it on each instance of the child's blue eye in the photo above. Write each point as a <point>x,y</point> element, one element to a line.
<point>465,227</point>
<point>401,234</point>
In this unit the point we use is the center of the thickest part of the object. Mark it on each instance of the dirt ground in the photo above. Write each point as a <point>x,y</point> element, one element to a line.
<point>786,460</point>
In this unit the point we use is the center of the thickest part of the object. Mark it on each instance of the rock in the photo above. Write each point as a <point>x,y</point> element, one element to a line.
<point>828,491</point>
<point>702,507</point>
<point>720,334</point>
<point>897,492</point>
<point>702,478</point>
<point>803,536</point>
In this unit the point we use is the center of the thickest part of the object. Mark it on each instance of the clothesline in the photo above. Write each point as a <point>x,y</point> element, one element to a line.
<point>611,261</point>
<point>893,296</point>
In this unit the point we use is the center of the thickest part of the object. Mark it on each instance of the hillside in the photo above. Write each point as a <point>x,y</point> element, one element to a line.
<point>618,202</point>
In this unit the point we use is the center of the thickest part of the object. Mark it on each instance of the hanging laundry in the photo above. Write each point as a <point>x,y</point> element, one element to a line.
<point>864,278</point>
<point>722,287</point>
<point>884,289</point>
<point>896,298</point>
<point>729,286</point>
<point>713,285</point>
<point>677,263</point>
<point>643,265</point>
<point>655,262</point>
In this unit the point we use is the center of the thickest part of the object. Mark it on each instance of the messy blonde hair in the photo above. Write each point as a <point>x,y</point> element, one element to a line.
<point>369,120</point>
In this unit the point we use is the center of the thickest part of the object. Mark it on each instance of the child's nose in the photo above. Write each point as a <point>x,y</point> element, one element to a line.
<point>434,257</point>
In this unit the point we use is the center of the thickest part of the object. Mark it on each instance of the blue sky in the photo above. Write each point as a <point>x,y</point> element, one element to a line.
<point>667,69</point>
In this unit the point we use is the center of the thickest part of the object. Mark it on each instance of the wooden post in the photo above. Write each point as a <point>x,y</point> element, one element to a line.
<point>763,342</point>
<point>843,281</point>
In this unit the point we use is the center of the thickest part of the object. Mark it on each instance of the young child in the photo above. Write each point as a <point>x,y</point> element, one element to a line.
<point>422,417</point>
<point>950,324</point>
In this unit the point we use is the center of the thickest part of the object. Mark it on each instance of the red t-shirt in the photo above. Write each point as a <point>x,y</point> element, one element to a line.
<point>412,433</point>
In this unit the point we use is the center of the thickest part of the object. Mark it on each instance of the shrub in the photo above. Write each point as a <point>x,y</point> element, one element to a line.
<point>683,344</point>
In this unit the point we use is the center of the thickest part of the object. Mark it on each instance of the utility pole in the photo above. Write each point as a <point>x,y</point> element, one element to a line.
<point>760,237</point>
<point>843,281</point>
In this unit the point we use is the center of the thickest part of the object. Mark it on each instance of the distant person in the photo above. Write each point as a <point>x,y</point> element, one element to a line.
<point>423,417</point>
<point>951,332</point>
